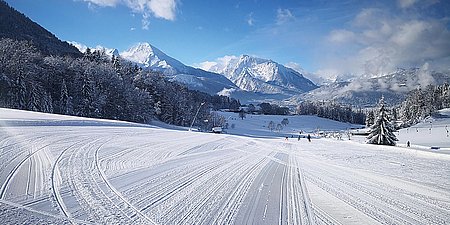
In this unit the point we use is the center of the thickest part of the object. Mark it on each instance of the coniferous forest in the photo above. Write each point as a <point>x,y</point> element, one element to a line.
<point>94,85</point>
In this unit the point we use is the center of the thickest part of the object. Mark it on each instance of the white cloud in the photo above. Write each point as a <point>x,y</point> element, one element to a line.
<point>250,19</point>
<point>316,78</point>
<point>104,3</point>
<point>145,21</point>
<point>226,92</point>
<point>341,36</point>
<point>164,9</point>
<point>217,66</point>
<point>207,65</point>
<point>406,3</point>
<point>409,32</point>
<point>377,43</point>
<point>295,66</point>
<point>284,16</point>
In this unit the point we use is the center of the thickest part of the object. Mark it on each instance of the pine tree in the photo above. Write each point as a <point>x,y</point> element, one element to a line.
<point>285,122</point>
<point>370,119</point>
<point>271,125</point>
<point>33,99</point>
<point>382,131</point>
<point>20,92</point>
<point>64,99</point>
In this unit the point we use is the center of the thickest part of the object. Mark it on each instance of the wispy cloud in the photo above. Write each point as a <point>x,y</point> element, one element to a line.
<point>145,21</point>
<point>218,65</point>
<point>163,9</point>
<point>341,36</point>
<point>406,3</point>
<point>284,16</point>
<point>250,19</point>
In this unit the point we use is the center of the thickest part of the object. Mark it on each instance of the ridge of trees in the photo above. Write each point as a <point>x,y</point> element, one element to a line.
<point>421,103</point>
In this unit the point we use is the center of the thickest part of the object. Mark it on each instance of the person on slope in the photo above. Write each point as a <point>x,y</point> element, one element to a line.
<point>309,138</point>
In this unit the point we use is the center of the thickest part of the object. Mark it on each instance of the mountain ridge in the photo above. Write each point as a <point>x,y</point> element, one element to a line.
<point>150,57</point>
<point>261,75</point>
<point>366,91</point>
<point>17,26</point>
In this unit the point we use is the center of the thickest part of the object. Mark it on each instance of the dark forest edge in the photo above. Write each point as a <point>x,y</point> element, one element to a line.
<point>97,86</point>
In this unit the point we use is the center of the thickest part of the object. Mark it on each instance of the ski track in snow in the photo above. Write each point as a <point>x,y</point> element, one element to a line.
<point>143,175</point>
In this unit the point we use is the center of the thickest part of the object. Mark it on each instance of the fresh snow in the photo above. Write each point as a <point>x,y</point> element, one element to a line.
<point>63,169</point>
<point>432,132</point>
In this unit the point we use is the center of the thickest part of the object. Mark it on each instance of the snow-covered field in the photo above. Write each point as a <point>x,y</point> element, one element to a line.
<point>61,169</point>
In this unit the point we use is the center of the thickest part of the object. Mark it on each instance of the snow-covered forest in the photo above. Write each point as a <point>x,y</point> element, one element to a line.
<point>422,103</point>
<point>332,110</point>
<point>96,86</point>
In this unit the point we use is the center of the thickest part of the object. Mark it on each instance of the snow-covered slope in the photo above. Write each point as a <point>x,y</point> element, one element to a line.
<point>261,75</point>
<point>433,131</point>
<point>366,91</point>
<point>154,59</point>
<point>61,169</point>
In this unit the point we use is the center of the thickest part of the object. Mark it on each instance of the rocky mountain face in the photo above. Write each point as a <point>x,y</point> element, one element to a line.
<point>149,57</point>
<point>262,75</point>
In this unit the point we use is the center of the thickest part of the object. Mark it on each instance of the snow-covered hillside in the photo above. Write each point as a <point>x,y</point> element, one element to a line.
<point>260,75</point>
<point>432,132</point>
<point>62,169</point>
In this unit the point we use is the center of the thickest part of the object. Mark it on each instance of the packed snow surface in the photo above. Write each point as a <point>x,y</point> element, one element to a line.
<point>62,169</point>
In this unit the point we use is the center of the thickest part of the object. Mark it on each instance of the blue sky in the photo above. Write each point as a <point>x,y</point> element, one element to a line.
<point>325,37</point>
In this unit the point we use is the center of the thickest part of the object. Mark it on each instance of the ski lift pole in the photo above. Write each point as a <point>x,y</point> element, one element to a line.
<point>193,120</point>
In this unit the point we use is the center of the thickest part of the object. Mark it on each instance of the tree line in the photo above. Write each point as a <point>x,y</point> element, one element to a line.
<point>97,86</point>
<point>333,111</point>
<point>421,103</point>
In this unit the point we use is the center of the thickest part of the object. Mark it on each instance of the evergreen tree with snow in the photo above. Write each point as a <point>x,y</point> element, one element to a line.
<point>370,118</point>
<point>64,99</point>
<point>285,122</point>
<point>382,131</point>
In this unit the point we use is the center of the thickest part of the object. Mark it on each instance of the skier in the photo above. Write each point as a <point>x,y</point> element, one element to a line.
<point>408,144</point>
<point>309,138</point>
<point>286,139</point>
<point>298,139</point>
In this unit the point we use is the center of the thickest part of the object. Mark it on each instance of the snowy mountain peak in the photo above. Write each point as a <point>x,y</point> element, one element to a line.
<point>108,51</point>
<point>148,56</point>
<point>259,75</point>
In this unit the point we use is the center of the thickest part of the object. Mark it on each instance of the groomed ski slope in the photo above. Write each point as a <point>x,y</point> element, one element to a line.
<point>61,169</point>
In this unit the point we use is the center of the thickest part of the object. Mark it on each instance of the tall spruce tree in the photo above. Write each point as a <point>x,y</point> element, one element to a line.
<point>370,119</point>
<point>382,131</point>
<point>64,99</point>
